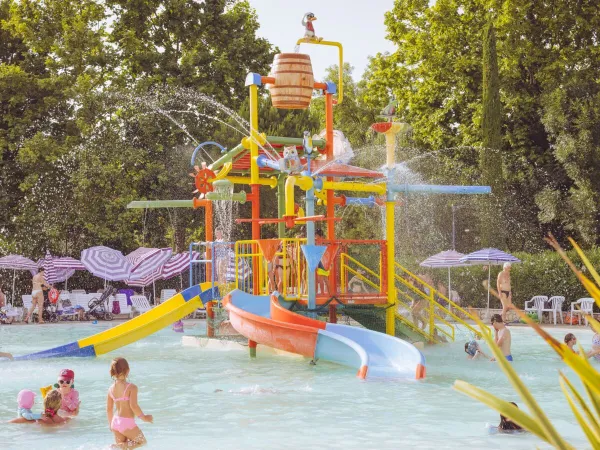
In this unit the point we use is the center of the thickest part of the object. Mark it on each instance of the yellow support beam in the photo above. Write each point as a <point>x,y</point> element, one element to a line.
<point>354,186</point>
<point>341,61</point>
<point>254,136</point>
<point>390,322</point>
<point>303,182</point>
<point>271,182</point>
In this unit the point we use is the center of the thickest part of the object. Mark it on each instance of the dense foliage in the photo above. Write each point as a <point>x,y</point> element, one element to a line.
<point>548,62</point>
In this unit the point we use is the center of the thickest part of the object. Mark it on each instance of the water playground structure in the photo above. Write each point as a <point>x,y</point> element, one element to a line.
<point>314,275</point>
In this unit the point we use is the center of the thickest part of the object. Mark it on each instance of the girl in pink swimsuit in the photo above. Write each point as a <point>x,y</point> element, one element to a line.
<point>122,397</point>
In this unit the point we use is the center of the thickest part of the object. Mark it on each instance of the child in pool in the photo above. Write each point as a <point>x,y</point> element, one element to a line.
<point>25,400</point>
<point>473,350</point>
<point>70,396</point>
<point>122,396</point>
<point>50,417</point>
<point>178,326</point>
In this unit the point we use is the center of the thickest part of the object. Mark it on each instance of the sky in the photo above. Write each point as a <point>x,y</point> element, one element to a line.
<point>360,29</point>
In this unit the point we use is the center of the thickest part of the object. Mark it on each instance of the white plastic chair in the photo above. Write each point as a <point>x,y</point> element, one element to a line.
<point>536,304</point>
<point>582,307</point>
<point>140,303</point>
<point>554,308</point>
<point>125,308</point>
<point>166,294</point>
<point>78,291</point>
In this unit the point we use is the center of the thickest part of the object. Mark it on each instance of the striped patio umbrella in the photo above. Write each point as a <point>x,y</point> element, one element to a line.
<point>54,274</point>
<point>14,263</point>
<point>106,263</point>
<point>244,270</point>
<point>145,261</point>
<point>489,257</point>
<point>442,260</point>
<point>66,262</point>
<point>18,262</point>
<point>178,264</point>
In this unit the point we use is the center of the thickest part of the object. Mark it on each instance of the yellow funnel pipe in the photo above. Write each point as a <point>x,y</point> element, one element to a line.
<point>353,186</point>
<point>303,182</point>
<point>341,62</point>
<point>272,182</point>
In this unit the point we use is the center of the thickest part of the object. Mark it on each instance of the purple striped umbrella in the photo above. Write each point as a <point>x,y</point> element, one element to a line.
<point>66,262</point>
<point>52,274</point>
<point>442,260</point>
<point>106,263</point>
<point>178,264</point>
<point>59,268</point>
<point>145,261</point>
<point>14,263</point>
<point>489,256</point>
<point>18,262</point>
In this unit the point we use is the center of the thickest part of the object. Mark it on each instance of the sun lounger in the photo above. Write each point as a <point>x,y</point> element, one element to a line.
<point>140,304</point>
<point>166,294</point>
<point>125,308</point>
<point>27,299</point>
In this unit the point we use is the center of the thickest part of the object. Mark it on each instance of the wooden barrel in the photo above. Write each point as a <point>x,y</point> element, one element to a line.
<point>294,81</point>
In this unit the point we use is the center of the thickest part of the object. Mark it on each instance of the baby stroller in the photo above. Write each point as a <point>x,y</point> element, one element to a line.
<point>99,306</point>
<point>49,312</point>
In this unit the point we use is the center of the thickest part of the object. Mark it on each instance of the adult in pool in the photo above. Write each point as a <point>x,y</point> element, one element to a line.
<point>502,336</point>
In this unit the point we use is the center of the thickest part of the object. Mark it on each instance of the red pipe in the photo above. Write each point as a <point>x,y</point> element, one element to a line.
<point>210,315</point>
<point>332,313</point>
<point>252,346</point>
<point>330,193</point>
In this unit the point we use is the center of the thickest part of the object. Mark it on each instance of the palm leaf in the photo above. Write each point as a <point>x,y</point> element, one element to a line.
<point>591,432</point>
<point>586,261</point>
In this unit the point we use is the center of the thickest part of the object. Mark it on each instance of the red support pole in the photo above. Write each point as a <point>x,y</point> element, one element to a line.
<point>208,232</point>
<point>332,313</point>
<point>210,316</point>
<point>252,346</point>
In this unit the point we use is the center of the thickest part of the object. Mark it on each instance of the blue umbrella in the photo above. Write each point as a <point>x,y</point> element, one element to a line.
<point>489,256</point>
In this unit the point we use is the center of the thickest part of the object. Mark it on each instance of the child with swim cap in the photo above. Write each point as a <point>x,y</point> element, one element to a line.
<point>25,401</point>
<point>52,404</point>
<point>122,397</point>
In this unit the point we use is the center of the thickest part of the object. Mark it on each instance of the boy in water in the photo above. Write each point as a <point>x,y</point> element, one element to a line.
<point>502,336</point>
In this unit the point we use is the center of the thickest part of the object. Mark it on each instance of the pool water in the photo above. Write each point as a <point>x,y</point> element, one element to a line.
<point>276,402</point>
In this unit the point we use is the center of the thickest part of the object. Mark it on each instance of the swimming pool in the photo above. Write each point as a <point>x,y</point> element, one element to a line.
<point>278,401</point>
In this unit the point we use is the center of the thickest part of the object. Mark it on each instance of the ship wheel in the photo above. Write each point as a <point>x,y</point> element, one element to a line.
<point>201,179</point>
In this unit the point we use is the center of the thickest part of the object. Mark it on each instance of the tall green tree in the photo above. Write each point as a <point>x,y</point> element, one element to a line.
<point>491,141</point>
